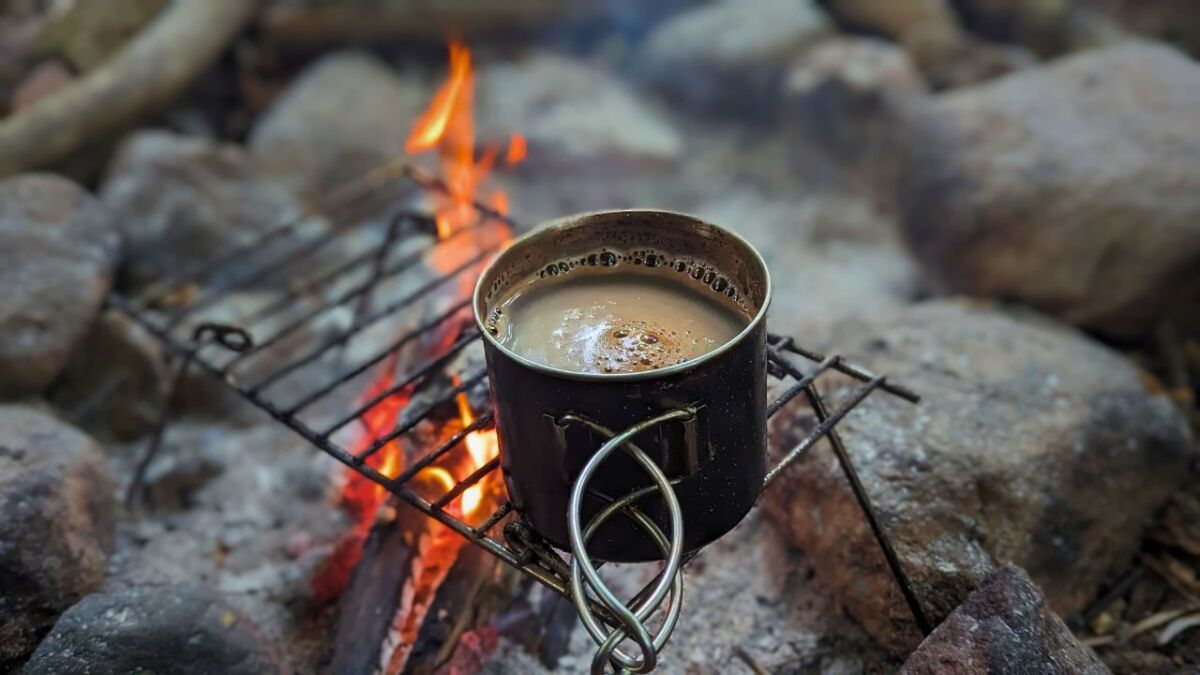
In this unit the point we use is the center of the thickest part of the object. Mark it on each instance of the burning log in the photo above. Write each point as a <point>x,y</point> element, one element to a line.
<point>476,588</point>
<point>419,587</point>
<point>374,593</point>
<point>543,628</point>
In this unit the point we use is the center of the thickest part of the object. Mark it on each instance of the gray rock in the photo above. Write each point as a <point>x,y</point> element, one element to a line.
<point>180,201</point>
<point>1003,628</point>
<point>56,523</point>
<point>345,115</point>
<point>172,481</point>
<point>572,114</point>
<point>730,55</point>
<point>116,382</point>
<point>930,32</point>
<point>57,249</point>
<point>847,97</point>
<point>1071,187</point>
<point>185,629</point>
<point>1026,438</point>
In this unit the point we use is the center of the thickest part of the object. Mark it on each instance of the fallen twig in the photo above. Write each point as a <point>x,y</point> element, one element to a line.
<point>1149,623</point>
<point>1177,627</point>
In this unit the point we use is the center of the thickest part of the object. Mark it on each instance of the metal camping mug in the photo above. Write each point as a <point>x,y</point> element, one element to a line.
<point>710,437</point>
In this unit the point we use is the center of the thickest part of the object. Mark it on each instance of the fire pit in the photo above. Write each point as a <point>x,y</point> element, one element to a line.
<point>362,338</point>
<point>294,232</point>
<point>382,266</point>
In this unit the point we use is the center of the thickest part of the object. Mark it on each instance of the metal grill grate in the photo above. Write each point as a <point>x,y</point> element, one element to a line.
<point>297,318</point>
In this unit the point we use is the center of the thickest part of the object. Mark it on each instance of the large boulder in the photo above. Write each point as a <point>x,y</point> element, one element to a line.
<point>183,629</point>
<point>1031,445</point>
<point>180,201</point>
<point>1003,628</point>
<point>1072,187</point>
<point>729,55</point>
<point>56,524</point>
<point>345,115</point>
<point>57,249</point>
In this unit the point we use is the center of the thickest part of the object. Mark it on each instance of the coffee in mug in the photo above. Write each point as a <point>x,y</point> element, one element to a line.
<point>620,319</point>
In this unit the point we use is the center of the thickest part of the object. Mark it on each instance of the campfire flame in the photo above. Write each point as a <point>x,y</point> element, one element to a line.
<point>446,127</point>
<point>482,445</point>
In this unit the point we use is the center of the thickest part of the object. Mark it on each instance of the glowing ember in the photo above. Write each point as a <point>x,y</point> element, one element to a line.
<point>360,496</point>
<point>516,150</point>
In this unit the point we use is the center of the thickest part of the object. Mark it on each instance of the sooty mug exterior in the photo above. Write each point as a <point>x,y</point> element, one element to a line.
<point>715,458</point>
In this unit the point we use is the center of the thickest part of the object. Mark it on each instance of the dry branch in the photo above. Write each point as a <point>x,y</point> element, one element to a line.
<point>142,78</point>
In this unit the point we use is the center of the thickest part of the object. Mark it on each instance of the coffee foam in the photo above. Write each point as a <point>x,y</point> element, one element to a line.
<point>615,321</point>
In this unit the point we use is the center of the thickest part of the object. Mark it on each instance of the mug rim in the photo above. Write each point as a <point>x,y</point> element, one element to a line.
<point>565,222</point>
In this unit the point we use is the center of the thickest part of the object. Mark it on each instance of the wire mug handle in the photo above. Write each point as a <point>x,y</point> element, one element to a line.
<point>583,572</point>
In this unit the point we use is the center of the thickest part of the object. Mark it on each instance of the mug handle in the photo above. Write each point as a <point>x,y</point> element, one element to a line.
<point>582,569</point>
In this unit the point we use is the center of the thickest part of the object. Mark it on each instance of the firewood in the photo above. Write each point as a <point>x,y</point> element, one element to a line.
<point>475,588</point>
<point>370,602</point>
<point>142,78</point>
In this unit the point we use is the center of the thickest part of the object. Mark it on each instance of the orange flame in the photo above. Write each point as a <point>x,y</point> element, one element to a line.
<point>451,99</point>
<point>516,150</point>
<point>448,126</point>
<point>360,496</point>
<point>482,445</point>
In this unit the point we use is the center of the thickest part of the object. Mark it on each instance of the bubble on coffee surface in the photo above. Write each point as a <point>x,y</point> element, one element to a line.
<point>637,345</point>
<point>699,270</point>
